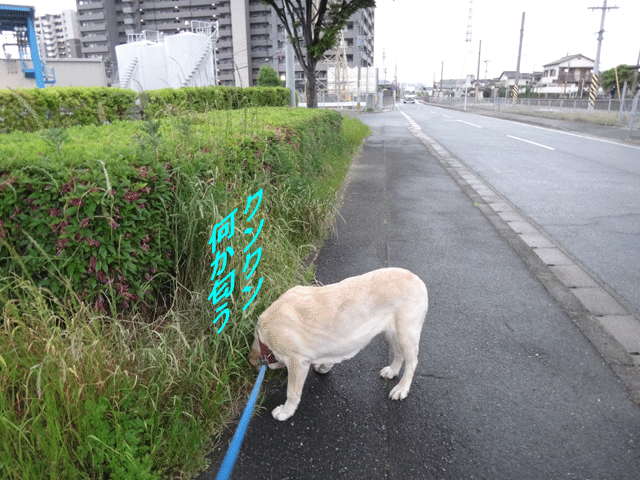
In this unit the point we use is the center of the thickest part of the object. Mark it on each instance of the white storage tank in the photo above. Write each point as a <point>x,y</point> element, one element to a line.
<point>189,61</point>
<point>176,61</point>
<point>153,67</point>
<point>128,56</point>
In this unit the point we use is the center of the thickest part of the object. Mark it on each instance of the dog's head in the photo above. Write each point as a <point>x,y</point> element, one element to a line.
<point>254,356</point>
<point>259,351</point>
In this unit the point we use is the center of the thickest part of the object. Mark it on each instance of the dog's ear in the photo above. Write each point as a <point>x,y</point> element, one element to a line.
<point>254,356</point>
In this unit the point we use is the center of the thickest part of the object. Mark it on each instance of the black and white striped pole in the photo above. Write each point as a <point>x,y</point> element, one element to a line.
<point>515,88</point>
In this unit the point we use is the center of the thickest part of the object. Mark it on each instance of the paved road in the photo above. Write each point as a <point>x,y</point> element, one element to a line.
<point>507,385</point>
<point>584,191</point>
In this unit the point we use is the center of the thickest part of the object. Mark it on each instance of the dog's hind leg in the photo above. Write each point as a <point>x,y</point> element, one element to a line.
<point>409,345</point>
<point>323,367</point>
<point>296,375</point>
<point>392,370</point>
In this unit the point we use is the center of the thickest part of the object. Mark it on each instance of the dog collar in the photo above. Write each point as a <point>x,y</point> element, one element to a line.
<point>266,353</point>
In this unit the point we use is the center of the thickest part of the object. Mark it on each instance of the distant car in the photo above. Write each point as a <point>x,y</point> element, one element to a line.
<point>409,95</point>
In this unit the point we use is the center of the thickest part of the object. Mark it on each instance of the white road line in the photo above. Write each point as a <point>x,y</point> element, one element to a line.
<point>532,143</point>
<point>411,121</point>
<point>472,124</point>
<point>446,116</point>
<point>586,137</point>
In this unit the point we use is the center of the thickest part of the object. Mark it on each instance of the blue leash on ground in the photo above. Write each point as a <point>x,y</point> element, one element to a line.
<point>236,442</point>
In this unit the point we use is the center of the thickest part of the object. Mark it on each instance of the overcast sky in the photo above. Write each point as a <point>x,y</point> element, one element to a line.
<point>418,35</point>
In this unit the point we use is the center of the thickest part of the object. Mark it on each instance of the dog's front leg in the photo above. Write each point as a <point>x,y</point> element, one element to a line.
<point>297,374</point>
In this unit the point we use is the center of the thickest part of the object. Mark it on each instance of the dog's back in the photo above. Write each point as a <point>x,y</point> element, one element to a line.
<point>353,309</point>
<point>322,326</point>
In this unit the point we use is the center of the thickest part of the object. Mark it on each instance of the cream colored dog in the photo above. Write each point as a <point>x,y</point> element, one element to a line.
<point>322,326</point>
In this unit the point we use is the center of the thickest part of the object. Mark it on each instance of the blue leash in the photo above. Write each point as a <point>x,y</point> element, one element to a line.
<point>236,442</point>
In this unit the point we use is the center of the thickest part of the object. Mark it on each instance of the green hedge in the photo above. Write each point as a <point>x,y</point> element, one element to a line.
<point>94,205</point>
<point>203,99</point>
<point>141,395</point>
<point>29,110</point>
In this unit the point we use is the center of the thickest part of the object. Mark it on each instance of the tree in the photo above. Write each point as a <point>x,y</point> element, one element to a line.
<point>268,77</point>
<point>608,77</point>
<point>313,27</point>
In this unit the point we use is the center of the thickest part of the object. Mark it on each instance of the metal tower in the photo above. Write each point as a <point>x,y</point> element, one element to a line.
<point>20,21</point>
<point>469,24</point>
<point>467,52</point>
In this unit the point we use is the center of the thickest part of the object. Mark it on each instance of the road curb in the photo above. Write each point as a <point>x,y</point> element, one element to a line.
<point>610,323</point>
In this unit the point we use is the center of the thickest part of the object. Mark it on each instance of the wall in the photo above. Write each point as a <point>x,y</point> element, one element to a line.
<point>70,72</point>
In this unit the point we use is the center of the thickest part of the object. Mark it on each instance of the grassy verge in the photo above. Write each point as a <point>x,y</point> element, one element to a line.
<point>598,117</point>
<point>96,396</point>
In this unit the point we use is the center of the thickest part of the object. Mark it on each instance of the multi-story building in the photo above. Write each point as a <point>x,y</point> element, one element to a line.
<point>58,35</point>
<point>249,33</point>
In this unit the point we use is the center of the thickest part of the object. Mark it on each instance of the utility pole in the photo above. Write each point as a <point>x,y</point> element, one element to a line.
<point>478,73</point>
<point>516,86</point>
<point>596,66</point>
<point>384,68</point>
<point>290,75</point>
<point>395,82</point>
<point>635,77</point>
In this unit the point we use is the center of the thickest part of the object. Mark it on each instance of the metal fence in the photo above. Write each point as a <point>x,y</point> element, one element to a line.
<point>370,101</point>
<point>612,111</point>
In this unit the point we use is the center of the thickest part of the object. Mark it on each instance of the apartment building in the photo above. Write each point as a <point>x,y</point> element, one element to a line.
<point>58,35</point>
<point>249,34</point>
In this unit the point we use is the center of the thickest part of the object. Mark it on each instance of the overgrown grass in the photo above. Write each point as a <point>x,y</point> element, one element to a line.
<point>597,117</point>
<point>84,395</point>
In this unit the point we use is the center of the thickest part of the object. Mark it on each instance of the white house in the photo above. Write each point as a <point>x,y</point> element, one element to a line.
<point>508,79</point>
<point>568,76</point>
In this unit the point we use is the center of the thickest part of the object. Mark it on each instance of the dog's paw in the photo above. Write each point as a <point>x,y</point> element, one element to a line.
<point>388,372</point>
<point>399,393</point>
<point>282,413</point>
<point>322,368</point>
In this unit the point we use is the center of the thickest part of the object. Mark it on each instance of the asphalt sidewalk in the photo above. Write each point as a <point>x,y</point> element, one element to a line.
<point>507,386</point>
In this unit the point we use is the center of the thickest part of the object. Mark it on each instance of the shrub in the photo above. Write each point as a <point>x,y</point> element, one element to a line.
<point>28,110</point>
<point>91,210</point>
<point>268,77</point>
<point>89,395</point>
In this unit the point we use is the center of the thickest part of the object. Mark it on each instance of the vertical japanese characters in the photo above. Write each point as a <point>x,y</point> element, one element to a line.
<point>224,284</point>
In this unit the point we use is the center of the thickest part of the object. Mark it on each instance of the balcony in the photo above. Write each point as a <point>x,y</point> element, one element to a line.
<point>99,38</point>
<point>258,30</point>
<point>163,15</point>
<point>90,5</point>
<point>100,49</point>
<point>99,27</point>
<point>201,3</point>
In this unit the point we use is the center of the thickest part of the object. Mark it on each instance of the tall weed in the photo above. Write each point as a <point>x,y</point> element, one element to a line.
<point>85,394</point>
